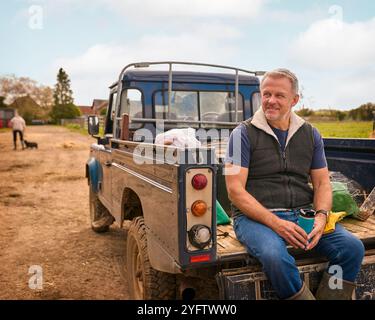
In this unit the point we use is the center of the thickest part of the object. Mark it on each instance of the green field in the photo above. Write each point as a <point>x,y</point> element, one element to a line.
<point>344,129</point>
<point>328,129</point>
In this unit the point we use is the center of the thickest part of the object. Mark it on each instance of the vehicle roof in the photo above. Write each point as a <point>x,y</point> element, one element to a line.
<point>186,76</point>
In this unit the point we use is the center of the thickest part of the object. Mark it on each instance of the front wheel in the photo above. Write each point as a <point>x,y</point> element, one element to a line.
<point>145,283</point>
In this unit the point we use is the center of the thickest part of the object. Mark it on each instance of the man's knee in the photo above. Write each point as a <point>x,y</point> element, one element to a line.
<point>351,250</point>
<point>275,256</point>
<point>354,249</point>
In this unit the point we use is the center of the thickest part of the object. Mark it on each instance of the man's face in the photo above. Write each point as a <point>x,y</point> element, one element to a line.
<point>278,98</point>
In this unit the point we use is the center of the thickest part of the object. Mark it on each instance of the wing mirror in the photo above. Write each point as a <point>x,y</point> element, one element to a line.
<point>93,125</point>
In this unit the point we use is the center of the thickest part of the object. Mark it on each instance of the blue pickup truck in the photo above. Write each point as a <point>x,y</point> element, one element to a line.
<point>166,196</point>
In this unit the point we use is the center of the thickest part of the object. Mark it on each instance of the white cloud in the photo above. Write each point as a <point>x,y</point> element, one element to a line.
<point>335,44</point>
<point>339,91</point>
<point>353,90</point>
<point>95,69</point>
<point>338,58</point>
<point>191,8</point>
<point>146,9</point>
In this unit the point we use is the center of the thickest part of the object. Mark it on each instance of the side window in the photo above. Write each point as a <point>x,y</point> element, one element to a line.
<point>184,105</point>
<point>256,101</point>
<point>112,107</point>
<point>110,113</point>
<point>131,103</point>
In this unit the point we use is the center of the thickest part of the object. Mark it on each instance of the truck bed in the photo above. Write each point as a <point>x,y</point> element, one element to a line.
<point>229,248</point>
<point>358,154</point>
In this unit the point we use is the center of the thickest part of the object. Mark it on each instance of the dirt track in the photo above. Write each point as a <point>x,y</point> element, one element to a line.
<point>44,220</point>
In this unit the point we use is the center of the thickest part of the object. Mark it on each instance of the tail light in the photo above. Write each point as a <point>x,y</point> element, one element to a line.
<point>199,181</point>
<point>200,236</point>
<point>199,208</point>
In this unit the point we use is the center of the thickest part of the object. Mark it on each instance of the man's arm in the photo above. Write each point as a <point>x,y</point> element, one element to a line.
<point>322,200</point>
<point>244,201</point>
<point>322,189</point>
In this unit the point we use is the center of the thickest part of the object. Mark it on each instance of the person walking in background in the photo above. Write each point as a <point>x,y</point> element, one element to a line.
<point>18,126</point>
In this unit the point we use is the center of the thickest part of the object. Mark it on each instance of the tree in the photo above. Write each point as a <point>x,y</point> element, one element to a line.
<point>363,113</point>
<point>12,88</point>
<point>67,111</point>
<point>63,107</point>
<point>63,95</point>
<point>2,103</point>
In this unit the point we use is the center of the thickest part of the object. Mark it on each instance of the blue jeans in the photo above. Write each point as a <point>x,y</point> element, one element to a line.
<point>339,247</point>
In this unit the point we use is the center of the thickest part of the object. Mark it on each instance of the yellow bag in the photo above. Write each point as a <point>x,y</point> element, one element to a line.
<point>333,218</point>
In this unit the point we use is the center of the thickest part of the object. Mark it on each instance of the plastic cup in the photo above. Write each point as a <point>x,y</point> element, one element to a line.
<point>306,220</point>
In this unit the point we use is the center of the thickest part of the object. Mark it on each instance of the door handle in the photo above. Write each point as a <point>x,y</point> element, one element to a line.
<point>108,163</point>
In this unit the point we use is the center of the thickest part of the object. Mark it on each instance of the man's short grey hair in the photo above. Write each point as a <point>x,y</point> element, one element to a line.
<point>281,72</point>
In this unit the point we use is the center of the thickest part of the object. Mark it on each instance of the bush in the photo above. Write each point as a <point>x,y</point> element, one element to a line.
<point>68,111</point>
<point>340,115</point>
<point>305,112</point>
<point>364,113</point>
<point>73,126</point>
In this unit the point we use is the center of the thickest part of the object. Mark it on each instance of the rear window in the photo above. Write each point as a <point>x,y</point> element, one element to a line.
<point>192,105</point>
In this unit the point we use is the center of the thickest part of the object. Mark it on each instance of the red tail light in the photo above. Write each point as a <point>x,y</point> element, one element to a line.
<point>199,181</point>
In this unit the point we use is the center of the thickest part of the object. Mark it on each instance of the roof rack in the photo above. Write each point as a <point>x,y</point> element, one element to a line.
<point>170,64</point>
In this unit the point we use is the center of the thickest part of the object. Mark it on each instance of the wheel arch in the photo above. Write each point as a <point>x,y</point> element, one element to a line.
<point>131,205</point>
<point>94,174</point>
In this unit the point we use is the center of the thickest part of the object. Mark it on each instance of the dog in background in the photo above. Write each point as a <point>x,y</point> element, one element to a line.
<point>30,144</point>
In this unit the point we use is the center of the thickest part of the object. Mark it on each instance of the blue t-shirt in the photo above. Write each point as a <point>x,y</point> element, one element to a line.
<point>238,150</point>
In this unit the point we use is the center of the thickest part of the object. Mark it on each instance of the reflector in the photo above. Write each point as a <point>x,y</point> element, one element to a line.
<point>200,258</point>
<point>199,208</point>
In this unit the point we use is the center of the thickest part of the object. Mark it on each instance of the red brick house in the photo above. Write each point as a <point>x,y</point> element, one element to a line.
<point>86,110</point>
<point>98,105</point>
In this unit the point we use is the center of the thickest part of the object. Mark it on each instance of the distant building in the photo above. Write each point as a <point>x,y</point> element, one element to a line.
<point>27,108</point>
<point>98,105</point>
<point>86,110</point>
<point>5,115</point>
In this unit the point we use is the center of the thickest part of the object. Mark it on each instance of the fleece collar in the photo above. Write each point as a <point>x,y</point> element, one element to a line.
<point>259,120</point>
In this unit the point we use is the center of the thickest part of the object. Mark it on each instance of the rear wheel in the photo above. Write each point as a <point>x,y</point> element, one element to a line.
<point>145,283</point>
<point>100,217</point>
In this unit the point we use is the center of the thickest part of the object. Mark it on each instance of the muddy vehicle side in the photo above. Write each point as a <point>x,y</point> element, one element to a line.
<point>154,190</point>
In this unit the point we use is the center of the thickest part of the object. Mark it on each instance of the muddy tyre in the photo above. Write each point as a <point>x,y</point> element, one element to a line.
<point>97,212</point>
<point>145,283</point>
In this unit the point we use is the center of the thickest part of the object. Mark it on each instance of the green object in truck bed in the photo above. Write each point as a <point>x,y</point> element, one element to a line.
<point>221,215</point>
<point>342,199</point>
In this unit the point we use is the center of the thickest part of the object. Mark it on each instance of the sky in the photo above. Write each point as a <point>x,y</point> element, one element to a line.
<point>330,45</point>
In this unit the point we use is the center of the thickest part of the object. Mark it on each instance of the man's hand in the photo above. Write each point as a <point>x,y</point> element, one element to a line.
<point>317,232</point>
<point>292,233</point>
